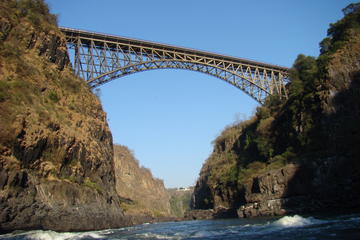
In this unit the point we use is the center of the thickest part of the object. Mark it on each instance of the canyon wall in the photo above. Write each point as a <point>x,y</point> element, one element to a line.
<point>144,195</point>
<point>299,155</point>
<point>56,153</point>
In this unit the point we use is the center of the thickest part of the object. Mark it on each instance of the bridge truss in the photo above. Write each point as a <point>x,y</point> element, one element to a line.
<point>100,58</point>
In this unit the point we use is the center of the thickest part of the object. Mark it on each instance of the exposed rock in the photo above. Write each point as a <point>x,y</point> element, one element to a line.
<point>266,208</point>
<point>55,173</point>
<point>296,189</point>
<point>271,194</point>
<point>202,214</point>
<point>180,200</point>
<point>199,214</point>
<point>275,184</point>
<point>57,205</point>
<point>299,189</point>
<point>146,195</point>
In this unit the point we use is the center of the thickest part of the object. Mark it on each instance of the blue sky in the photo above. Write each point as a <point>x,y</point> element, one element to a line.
<point>170,117</point>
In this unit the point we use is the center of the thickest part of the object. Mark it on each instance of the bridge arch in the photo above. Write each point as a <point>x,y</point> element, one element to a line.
<point>256,92</point>
<point>100,58</point>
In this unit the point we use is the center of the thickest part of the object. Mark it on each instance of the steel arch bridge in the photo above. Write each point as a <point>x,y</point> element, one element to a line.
<point>100,58</point>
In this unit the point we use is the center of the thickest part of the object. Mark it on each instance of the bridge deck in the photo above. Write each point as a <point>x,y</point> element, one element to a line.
<point>117,39</point>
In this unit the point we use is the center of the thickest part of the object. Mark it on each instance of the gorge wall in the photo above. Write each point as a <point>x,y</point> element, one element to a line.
<point>56,153</point>
<point>59,169</point>
<point>144,195</point>
<point>180,200</point>
<point>300,155</point>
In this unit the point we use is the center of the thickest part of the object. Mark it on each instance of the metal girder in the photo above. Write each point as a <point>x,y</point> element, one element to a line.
<point>100,58</point>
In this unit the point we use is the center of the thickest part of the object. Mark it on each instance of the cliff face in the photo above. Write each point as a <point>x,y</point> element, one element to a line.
<point>325,185</point>
<point>300,155</point>
<point>56,154</point>
<point>180,200</point>
<point>144,194</point>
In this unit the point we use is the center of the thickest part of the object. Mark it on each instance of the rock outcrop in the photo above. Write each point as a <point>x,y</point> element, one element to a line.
<point>303,189</point>
<point>297,156</point>
<point>56,153</point>
<point>320,184</point>
<point>199,214</point>
<point>144,194</point>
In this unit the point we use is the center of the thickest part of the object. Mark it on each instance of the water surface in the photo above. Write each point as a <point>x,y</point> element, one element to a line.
<point>288,227</point>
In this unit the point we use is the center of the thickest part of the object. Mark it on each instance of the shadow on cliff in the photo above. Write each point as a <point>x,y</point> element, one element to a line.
<point>330,181</point>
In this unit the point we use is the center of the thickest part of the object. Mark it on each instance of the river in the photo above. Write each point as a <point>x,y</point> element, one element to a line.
<point>288,227</point>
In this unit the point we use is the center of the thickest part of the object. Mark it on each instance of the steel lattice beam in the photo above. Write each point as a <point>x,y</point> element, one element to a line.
<point>100,58</point>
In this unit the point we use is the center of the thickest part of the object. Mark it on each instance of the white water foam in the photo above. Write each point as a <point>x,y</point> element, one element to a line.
<point>51,235</point>
<point>156,236</point>
<point>206,234</point>
<point>355,219</point>
<point>295,221</point>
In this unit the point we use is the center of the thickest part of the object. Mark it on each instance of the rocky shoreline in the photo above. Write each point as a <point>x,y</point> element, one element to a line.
<point>293,189</point>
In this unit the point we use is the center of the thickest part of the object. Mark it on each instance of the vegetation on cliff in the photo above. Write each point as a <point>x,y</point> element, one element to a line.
<point>56,154</point>
<point>318,121</point>
<point>39,92</point>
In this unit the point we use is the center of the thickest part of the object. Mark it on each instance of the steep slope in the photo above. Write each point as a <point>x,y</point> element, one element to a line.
<point>300,155</point>
<point>180,200</point>
<point>56,153</point>
<point>145,195</point>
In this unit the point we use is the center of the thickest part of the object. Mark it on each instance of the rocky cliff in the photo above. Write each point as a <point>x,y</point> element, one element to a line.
<point>300,155</point>
<point>180,200</point>
<point>144,195</point>
<point>56,153</point>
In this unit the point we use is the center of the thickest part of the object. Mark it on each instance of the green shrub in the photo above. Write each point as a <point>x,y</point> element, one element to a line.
<point>4,91</point>
<point>37,12</point>
<point>251,170</point>
<point>54,97</point>
<point>93,185</point>
<point>229,176</point>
